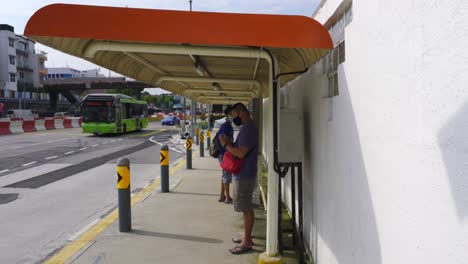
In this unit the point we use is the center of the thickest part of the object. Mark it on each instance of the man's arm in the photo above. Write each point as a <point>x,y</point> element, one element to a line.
<point>239,151</point>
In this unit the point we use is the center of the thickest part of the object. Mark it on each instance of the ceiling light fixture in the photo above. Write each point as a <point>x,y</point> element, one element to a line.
<point>198,67</point>
<point>216,86</point>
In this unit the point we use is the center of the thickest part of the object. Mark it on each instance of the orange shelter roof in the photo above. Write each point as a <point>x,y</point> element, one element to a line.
<point>296,41</point>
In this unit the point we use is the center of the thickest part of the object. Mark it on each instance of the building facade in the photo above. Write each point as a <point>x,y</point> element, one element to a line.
<point>67,72</point>
<point>386,143</point>
<point>22,67</point>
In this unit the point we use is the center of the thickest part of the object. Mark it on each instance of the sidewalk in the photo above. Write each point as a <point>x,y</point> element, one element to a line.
<point>187,225</point>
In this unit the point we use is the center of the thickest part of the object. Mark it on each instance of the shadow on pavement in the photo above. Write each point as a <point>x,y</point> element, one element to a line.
<point>192,193</point>
<point>175,236</point>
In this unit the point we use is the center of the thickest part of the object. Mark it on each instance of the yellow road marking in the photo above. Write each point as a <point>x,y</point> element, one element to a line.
<point>179,184</point>
<point>152,133</point>
<point>71,249</point>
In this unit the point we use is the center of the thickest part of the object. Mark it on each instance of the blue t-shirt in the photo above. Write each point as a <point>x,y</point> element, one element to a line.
<point>226,129</point>
<point>248,137</point>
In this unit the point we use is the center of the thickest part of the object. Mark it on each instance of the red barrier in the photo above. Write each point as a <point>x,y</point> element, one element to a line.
<point>67,123</point>
<point>29,126</point>
<point>5,128</point>
<point>49,124</point>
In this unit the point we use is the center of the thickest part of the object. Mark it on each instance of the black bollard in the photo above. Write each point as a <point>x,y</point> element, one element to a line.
<point>123,186</point>
<point>164,162</point>
<point>208,138</point>
<point>202,144</point>
<point>188,150</point>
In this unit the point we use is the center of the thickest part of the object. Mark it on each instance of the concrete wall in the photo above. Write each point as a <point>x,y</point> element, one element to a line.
<point>386,161</point>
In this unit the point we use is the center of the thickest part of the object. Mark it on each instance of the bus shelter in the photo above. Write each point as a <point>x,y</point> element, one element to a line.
<point>211,58</point>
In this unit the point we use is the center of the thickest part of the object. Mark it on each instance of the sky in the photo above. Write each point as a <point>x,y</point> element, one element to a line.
<point>16,13</point>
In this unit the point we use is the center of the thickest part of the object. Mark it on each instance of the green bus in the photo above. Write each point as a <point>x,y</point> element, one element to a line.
<point>113,114</point>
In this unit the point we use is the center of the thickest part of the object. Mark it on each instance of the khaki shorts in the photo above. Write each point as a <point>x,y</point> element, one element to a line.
<point>242,195</point>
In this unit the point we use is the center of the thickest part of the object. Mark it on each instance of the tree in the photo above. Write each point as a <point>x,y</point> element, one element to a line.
<point>151,99</point>
<point>168,101</point>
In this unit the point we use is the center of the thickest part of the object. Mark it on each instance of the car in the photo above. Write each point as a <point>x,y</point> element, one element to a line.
<point>61,114</point>
<point>170,121</point>
<point>21,113</point>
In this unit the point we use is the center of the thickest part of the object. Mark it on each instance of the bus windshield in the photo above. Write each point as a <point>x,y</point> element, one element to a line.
<point>98,112</point>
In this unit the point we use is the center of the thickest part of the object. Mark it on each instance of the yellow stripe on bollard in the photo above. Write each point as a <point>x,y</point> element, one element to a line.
<point>188,144</point>
<point>123,177</point>
<point>208,133</point>
<point>164,157</point>
<point>202,138</point>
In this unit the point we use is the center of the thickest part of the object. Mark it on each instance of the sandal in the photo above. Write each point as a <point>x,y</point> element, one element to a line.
<point>222,199</point>
<point>228,201</point>
<point>237,240</point>
<point>240,250</point>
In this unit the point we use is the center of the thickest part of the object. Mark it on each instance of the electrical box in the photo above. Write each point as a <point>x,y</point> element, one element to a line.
<point>291,136</point>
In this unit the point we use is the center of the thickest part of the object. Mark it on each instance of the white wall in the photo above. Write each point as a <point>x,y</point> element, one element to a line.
<point>386,161</point>
<point>5,67</point>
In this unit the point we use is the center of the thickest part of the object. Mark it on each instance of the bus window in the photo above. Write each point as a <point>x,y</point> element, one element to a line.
<point>127,111</point>
<point>98,112</point>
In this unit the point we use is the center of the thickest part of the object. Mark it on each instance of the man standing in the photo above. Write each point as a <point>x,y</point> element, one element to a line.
<point>211,121</point>
<point>245,147</point>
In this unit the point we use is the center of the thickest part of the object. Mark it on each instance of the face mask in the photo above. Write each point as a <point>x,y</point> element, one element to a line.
<point>237,121</point>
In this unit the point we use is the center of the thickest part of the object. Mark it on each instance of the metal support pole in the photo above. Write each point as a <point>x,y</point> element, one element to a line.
<point>188,150</point>
<point>202,144</point>
<point>185,114</point>
<point>301,220</point>
<point>164,162</point>
<point>280,218</point>
<point>197,134</point>
<point>272,202</point>
<point>293,202</point>
<point>194,119</point>
<point>208,138</point>
<point>123,186</point>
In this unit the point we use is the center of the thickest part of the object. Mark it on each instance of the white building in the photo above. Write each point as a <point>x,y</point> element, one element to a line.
<point>386,134</point>
<point>21,66</point>
<point>67,72</point>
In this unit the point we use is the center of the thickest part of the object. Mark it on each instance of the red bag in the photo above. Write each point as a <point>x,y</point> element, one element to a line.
<point>231,163</point>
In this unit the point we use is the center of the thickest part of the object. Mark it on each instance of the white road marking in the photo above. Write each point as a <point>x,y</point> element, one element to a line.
<point>120,139</point>
<point>176,150</point>
<point>83,148</point>
<point>52,157</point>
<point>30,163</point>
<point>4,171</point>
<point>84,229</point>
<point>114,140</point>
<point>105,142</point>
<point>69,152</point>
<point>95,145</point>
<point>173,149</point>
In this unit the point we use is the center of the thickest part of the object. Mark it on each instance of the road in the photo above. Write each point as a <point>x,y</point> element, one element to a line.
<point>54,184</point>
